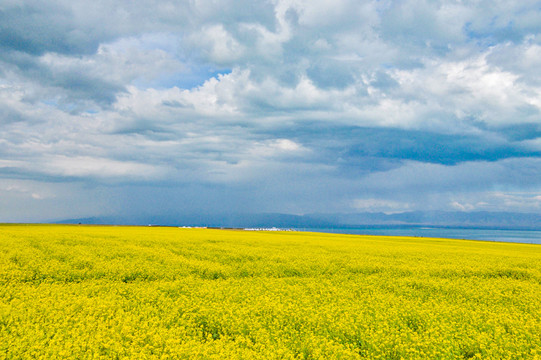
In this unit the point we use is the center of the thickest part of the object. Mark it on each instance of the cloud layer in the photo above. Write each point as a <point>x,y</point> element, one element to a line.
<point>285,106</point>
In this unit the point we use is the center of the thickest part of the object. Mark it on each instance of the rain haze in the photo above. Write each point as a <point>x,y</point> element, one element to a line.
<point>134,108</point>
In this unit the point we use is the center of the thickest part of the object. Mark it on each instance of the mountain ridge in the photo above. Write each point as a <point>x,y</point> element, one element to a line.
<point>477,219</point>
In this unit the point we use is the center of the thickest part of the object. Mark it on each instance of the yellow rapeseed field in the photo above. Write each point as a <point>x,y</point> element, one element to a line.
<point>93,292</point>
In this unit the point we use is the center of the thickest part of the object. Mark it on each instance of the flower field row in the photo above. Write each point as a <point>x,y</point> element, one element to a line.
<point>90,292</point>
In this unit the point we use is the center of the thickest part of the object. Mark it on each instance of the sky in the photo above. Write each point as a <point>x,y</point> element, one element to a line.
<point>268,106</point>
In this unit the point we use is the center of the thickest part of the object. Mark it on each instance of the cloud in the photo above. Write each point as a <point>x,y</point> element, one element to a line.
<point>287,106</point>
<point>489,201</point>
<point>378,205</point>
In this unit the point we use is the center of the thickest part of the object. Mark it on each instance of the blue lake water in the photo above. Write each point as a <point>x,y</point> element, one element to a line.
<point>518,236</point>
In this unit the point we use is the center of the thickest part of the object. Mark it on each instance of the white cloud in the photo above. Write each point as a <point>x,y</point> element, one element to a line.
<point>499,201</point>
<point>380,205</point>
<point>462,207</point>
<point>533,144</point>
<point>99,167</point>
<point>25,189</point>
<point>275,148</point>
<point>218,46</point>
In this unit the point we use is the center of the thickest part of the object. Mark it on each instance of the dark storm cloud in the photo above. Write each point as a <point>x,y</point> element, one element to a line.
<point>429,147</point>
<point>36,27</point>
<point>378,149</point>
<point>522,132</point>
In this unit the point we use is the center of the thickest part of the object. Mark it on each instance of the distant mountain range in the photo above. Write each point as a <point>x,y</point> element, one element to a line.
<point>479,219</point>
